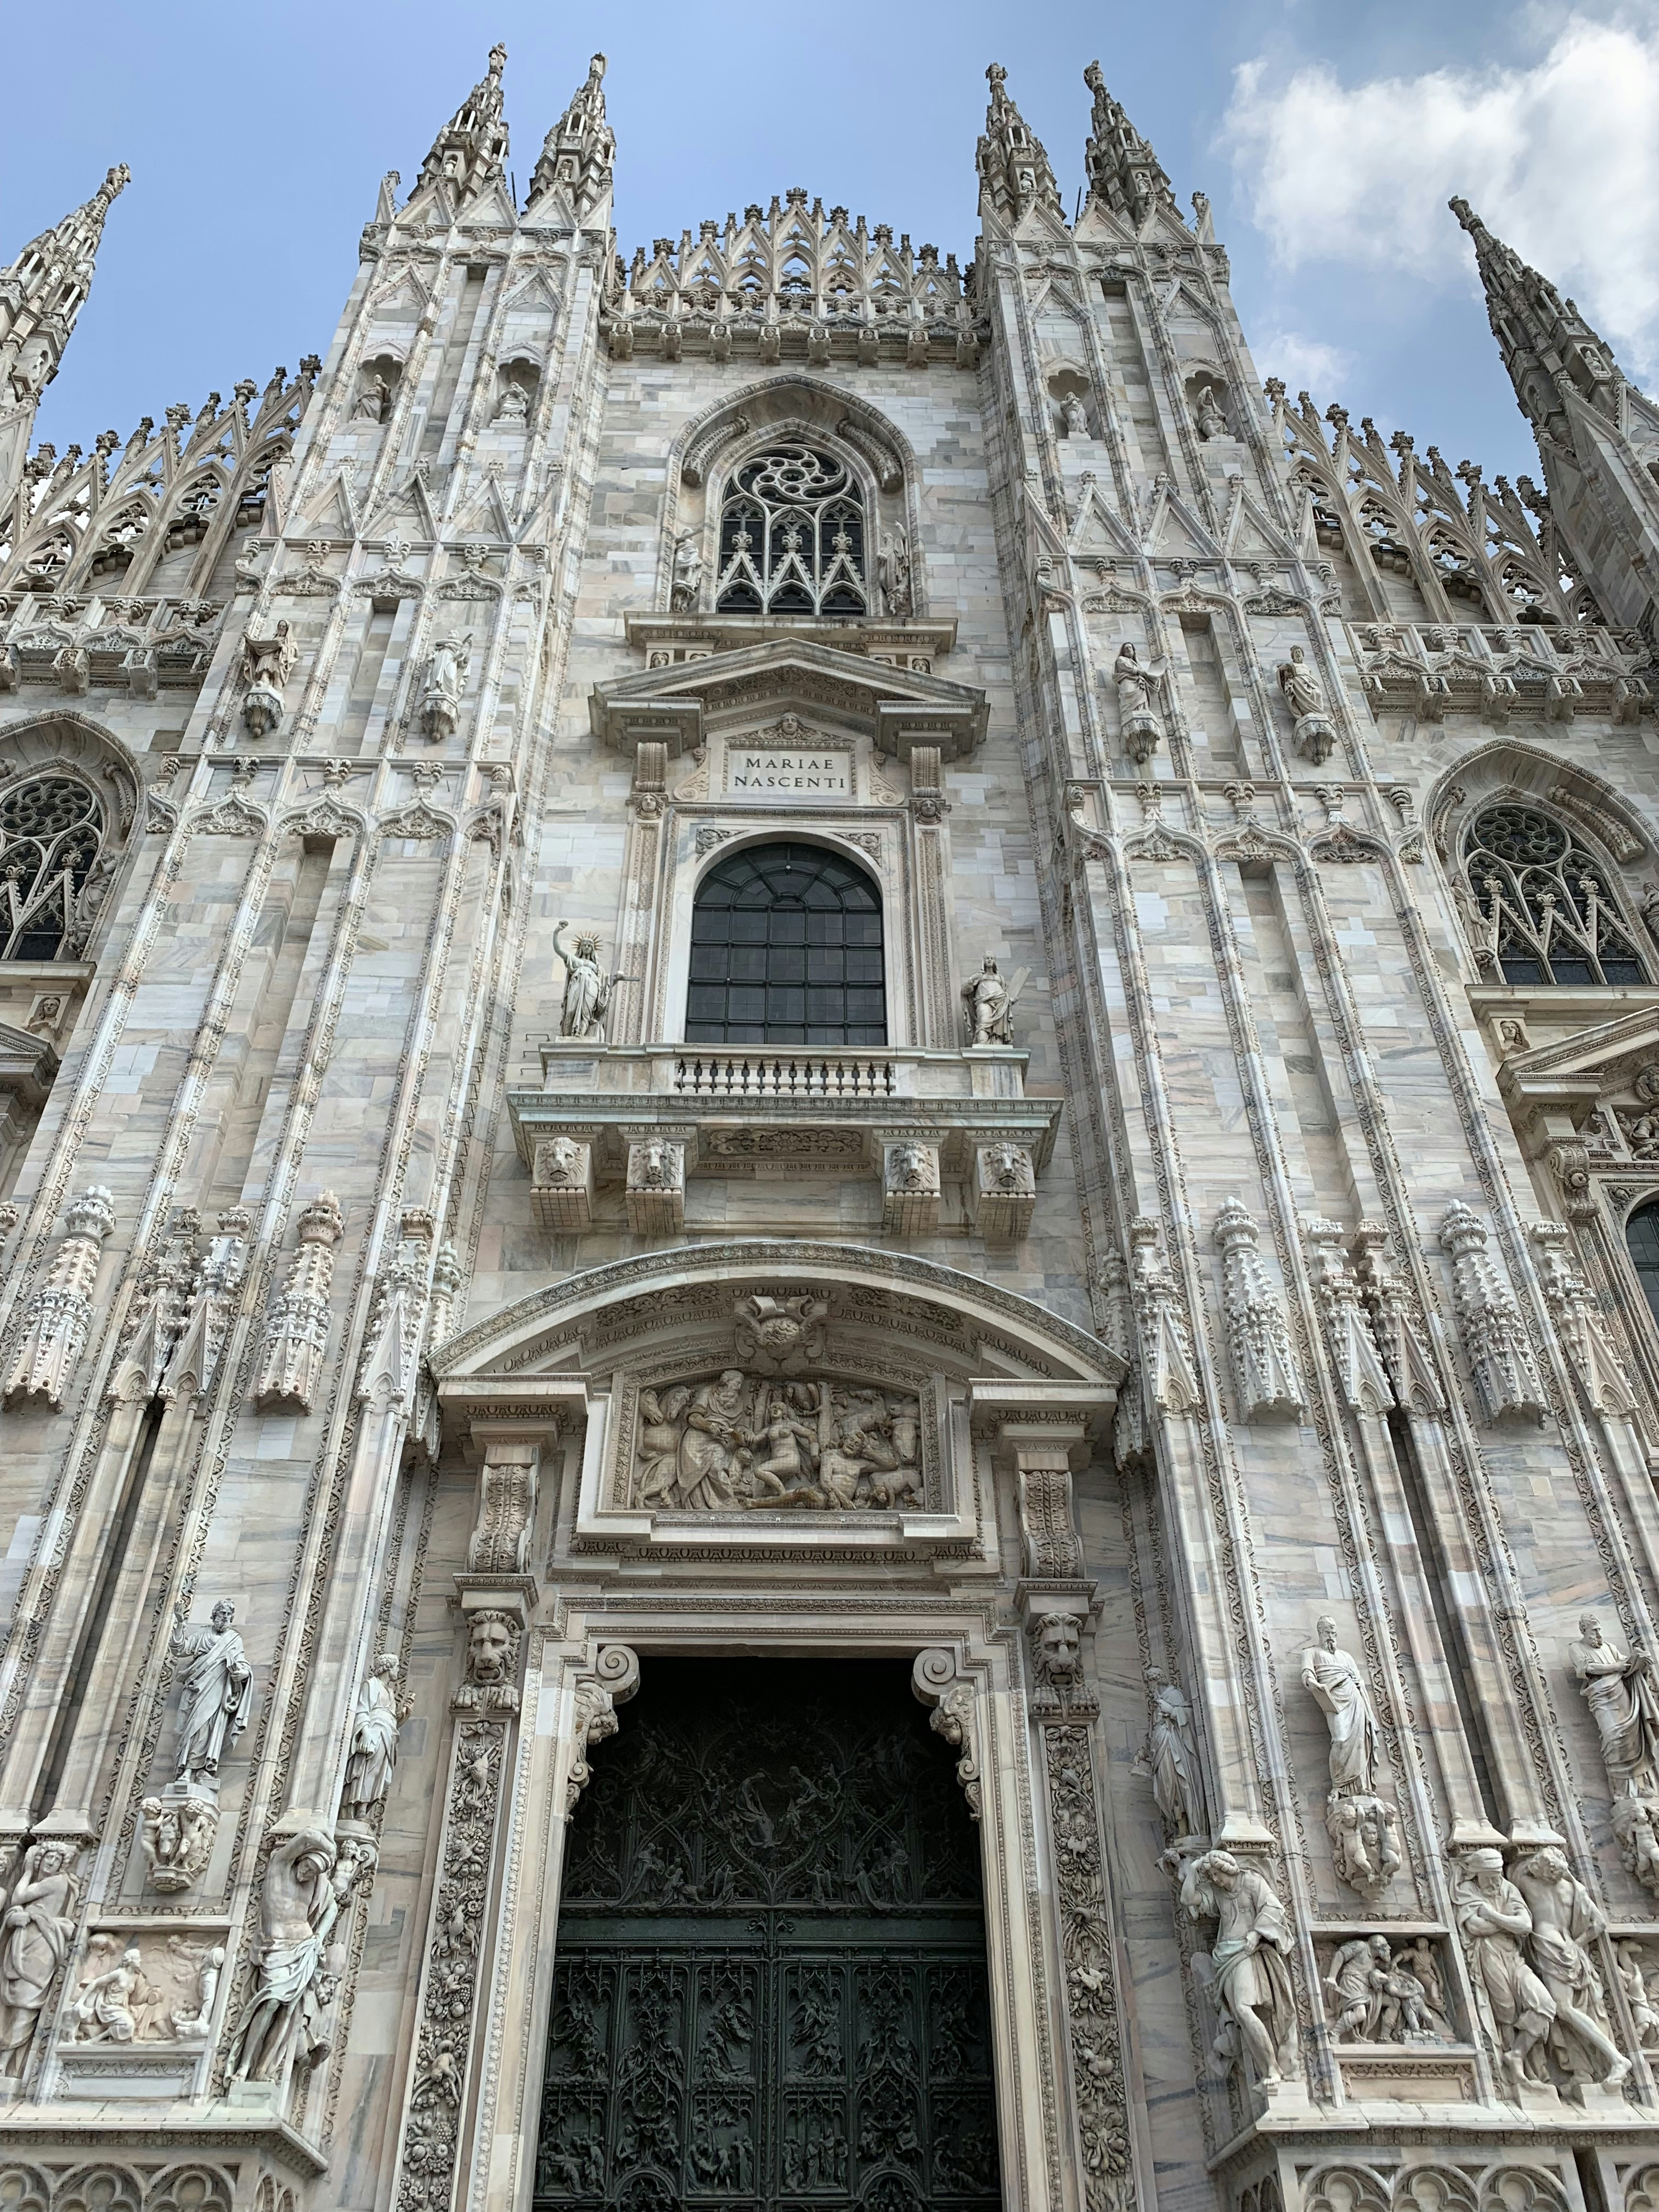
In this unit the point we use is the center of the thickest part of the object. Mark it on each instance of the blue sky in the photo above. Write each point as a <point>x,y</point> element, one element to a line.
<point>1327,136</point>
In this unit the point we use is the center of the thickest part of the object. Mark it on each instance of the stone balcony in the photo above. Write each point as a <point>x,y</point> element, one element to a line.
<point>648,1118</point>
<point>1536,670</point>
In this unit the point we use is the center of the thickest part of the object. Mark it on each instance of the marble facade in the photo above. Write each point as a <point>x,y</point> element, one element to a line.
<point>1204,1339</point>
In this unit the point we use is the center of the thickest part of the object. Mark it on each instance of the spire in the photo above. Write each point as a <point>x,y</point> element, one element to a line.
<point>1014,174</point>
<point>579,151</point>
<point>1549,348</point>
<point>470,151</point>
<point>41,294</point>
<point>1125,175</point>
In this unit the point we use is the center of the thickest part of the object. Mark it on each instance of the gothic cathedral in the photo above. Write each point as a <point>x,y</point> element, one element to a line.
<point>831,1104</point>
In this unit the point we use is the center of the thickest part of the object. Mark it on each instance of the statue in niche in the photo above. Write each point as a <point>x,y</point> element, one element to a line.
<point>35,1935</point>
<point>512,408</point>
<point>1515,2009</point>
<point>989,1004</point>
<point>586,993</point>
<point>295,1966</point>
<point>446,680</point>
<point>1566,1920</point>
<point>687,573</point>
<point>740,1442</point>
<point>1169,1758</point>
<point>1138,718</point>
<point>373,401</point>
<point>375,1729</point>
<point>216,1696</point>
<point>1252,1977</point>
<point>1312,729</point>
<point>1207,414</point>
<point>893,572</point>
<point>1073,416</point>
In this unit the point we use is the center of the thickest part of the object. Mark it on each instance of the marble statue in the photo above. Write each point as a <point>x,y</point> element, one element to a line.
<point>1207,414</point>
<point>35,1933</point>
<point>1249,1958</point>
<point>586,992</point>
<point>298,1907</point>
<point>1170,1757</point>
<point>1516,2008</point>
<point>989,1002</point>
<point>216,1696</point>
<point>1623,1701</point>
<point>1565,1921</point>
<point>373,1739</point>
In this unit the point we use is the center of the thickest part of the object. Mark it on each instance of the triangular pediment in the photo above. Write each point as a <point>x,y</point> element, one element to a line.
<point>898,707</point>
<point>1588,1065</point>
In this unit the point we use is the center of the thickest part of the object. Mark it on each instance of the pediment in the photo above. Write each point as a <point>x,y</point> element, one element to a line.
<point>1573,1074</point>
<point>899,708</point>
<point>27,1063</point>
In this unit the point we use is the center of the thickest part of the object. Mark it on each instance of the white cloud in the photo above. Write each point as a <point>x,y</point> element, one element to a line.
<point>1303,363</point>
<point>1560,159</point>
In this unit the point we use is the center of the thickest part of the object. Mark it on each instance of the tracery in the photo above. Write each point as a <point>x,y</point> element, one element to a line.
<point>792,536</point>
<point>1547,902</point>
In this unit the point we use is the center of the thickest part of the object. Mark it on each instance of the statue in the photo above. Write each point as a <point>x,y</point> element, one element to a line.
<point>688,574</point>
<point>1170,1757</point>
<point>446,680</point>
<point>216,1695</point>
<point>512,408</point>
<point>373,401</point>
<point>1252,1979</point>
<point>373,1739</point>
<point>1515,2009</point>
<point>1073,419</point>
<point>1633,1979</point>
<point>298,1907</point>
<point>1624,1703</point>
<point>35,1935</point>
<point>1142,725</point>
<point>1212,422</point>
<point>176,1833</point>
<point>1565,1918</point>
<point>587,994</point>
<point>1338,1688</point>
<point>1304,694</point>
<point>893,572</point>
<point>989,1004</point>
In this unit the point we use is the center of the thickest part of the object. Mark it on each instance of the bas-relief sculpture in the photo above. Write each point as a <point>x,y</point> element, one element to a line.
<point>280,978</point>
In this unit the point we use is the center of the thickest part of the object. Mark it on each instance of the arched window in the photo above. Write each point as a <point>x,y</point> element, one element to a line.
<point>51,829</point>
<point>1642,1238</point>
<point>792,538</point>
<point>1552,916</point>
<point>786,949</point>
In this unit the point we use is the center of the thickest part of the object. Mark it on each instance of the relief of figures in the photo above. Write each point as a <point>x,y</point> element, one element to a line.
<point>741,1441</point>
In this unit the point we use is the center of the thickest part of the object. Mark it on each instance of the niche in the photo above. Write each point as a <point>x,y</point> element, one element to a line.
<point>377,388</point>
<point>1068,388</point>
<point>516,384</point>
<point>1210,404</point>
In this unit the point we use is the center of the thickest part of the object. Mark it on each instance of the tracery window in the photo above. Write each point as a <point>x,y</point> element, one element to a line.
<point>1552,913</point>
<point>787,948</point>
<point>792,538</point>
<point>1641,1240</point>
<point>50,831</point>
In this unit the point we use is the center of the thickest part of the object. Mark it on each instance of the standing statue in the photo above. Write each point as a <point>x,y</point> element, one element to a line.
<point>216,1695</point>
<point>1566,1919</point>
<point>1169,1756</point>
<point>989,1004</point>
<point>1515,2009</point>
<point>298,1907</point>
<point>1304,694</point>
<point>1332,1676</point>
<point>34,1939</point>
<point>446,680</point>
<point>373,1739</point>
<point>1624,1703</point>
<point>373,401</point>
<point>1252,1979</point>
<point>688,574</point>
<point>893,572</point>
<point>587,994</point>
<point>1141,725</point>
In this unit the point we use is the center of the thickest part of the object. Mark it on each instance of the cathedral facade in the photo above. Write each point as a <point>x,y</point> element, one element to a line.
<point>831,1241</point>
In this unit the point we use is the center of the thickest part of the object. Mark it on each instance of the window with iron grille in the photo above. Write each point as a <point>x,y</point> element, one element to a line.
<point>50,831</point>
<point>787,948</point>
<point>792,538</point>
<point>1548,903</point>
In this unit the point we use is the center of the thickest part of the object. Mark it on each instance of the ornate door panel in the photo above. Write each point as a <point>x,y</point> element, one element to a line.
<point>770,1988</point>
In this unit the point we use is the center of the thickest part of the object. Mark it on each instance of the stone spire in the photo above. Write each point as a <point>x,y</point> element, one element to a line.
<point>579,152</point>
<point>40,296</point>
<point>1549,348</point>
<point>1125,175</point>
<point>1014,174</point>
<point>469,152</point>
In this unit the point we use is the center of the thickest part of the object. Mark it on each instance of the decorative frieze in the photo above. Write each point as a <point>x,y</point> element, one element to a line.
<point>1265,1378</point>
<point>296,1324</point>
<point>58,1319</point>
<point>743,1442</point>
<point>1507,1384</point>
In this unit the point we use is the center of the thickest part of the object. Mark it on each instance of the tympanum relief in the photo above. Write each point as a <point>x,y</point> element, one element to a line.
<point>738,1441</point>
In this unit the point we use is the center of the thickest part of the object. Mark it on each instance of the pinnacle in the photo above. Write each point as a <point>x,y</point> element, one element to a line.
<point>1125,174</point>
